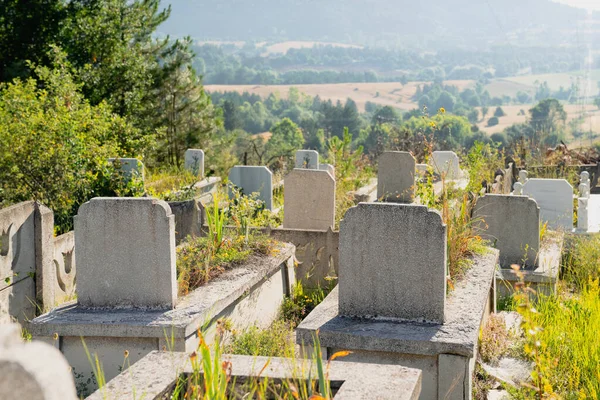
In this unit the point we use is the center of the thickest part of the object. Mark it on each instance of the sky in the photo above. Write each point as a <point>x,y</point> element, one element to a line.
<point>588,4</point>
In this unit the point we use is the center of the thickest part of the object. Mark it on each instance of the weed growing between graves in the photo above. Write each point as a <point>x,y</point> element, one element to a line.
<point>581,261</point>
<point>456,206</point>
<point>561,339</point>
<point>482,161</point>
<point>171,184</point>
<point>204,258</point>
<point>301,303</point>
<point>494,340</point>
<point>275,341</point>
<point>463,240</point>
<point>211,378</point>
<point>351,172</point>
<point>201,260</point>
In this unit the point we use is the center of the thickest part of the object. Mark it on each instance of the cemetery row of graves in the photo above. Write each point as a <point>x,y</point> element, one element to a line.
<point>437,278</point>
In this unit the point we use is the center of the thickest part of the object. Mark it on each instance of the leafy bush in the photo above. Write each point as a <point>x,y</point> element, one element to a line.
<point>54,146</point>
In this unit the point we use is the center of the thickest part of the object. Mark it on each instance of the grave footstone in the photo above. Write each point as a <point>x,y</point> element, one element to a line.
<point>309,200</point>
<point>253,179</point>
<point>396,177</point>
<point>194,161</point>
<point>125,253</point>
<point>446,163</point>
<point>512,225</point>
<point>308,159</point>
<point>555,199</point>
<point>393,262</point>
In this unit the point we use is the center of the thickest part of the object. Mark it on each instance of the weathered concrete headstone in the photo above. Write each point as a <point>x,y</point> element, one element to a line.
<point>32,371</point>
<point>194,161</point>
<point>393,262</point>
<point>253,179</point>
<point>309,200</point>
<point>446,163</point>
<point>308,159</point>
<point>329,168</point>
<point>396,177</point>
<point>129,167</point>
<point>512,225</point>
<point>125,253</point>
<point>555,199</point>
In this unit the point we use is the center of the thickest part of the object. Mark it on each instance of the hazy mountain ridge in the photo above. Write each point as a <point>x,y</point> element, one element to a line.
<point>432,22</point>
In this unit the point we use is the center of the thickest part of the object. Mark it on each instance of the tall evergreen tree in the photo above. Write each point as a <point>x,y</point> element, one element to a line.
<point>27,28</point>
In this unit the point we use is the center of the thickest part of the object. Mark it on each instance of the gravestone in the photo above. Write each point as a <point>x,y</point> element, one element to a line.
<point>194,161</point>
<point>512,225</point>
<point>125,253</point>
<point>555,199</point>
<point>129,167</point>
<point>523,176</point>
<point>253,179</point>
<point>446,163</point>
<point>329,168</point>
<point>309,200</point>
<point>396,177</point>
<point>584,185</point>
<point>32,371</point>
<point>308,159</point>
<point>392,262</point>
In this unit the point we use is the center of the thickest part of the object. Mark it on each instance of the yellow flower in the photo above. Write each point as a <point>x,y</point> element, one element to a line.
<point>442,110</point>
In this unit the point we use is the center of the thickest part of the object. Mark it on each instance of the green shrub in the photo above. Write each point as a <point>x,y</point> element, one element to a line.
<point>54,146</point>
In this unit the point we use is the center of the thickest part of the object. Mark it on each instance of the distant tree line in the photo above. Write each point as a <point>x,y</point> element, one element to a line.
<point>229,64</point>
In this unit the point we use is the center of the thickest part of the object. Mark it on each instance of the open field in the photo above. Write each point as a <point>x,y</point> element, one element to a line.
<point>393,94</point>
<point>591,120</point>
<point>280,47</point>
<point>399,96</point>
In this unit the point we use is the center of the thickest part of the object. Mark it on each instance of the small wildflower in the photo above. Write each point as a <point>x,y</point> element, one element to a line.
<point>55,336</point>
<point>126,354</point>
<point>442,110</point>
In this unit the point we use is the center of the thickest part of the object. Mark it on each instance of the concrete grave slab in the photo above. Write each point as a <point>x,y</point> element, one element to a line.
<point>512,225</point>
<point>194,161</point>
<point>393,262</point>
<point>308,159</point>
<point>358,380</point>
<point>309,200</point>
<point>253,179</point>
<point>555,199</point>
<point>396,177</point>
<point>125,253</point>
